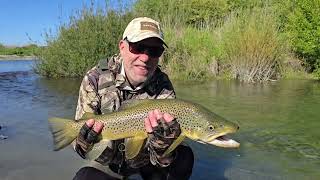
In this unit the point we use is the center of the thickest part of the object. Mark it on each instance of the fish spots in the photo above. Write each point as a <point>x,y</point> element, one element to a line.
<point>195,120</point>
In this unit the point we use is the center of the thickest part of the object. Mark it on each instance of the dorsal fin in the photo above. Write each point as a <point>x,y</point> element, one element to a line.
<point>130,103</point>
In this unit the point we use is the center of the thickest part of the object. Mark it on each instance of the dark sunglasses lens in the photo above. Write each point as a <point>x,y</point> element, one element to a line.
<point>151,51</point>
<point>155,51</point>
<point>135,48</point>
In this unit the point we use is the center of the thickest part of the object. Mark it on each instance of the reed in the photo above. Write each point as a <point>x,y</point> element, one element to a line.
<point>253,46</point>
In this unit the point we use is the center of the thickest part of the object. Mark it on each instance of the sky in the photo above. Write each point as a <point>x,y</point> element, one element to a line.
<point>24,22</point>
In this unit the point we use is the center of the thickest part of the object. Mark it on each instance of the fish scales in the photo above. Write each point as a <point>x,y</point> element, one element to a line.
<point>196,122</point>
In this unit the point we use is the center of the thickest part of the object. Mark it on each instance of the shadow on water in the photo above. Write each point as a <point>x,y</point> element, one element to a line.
<point>211,161</point>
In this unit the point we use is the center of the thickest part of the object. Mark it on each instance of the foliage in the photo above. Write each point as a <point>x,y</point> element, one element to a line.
<point>244,39</point>
<point>216,38</point>
<point>300,20</point>
<point>317,70</point>
<point>198,13</point>
<point>28,50</point>
<point>292,68</point>
<point>253,48</point>
<point>91,34</point>
<point>187,58</point>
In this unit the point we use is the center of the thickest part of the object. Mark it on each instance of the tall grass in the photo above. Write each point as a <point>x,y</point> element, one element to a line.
<point>191,53</point>
<point>242,41</point>
<point>253,47</point>
<point>187,30</point>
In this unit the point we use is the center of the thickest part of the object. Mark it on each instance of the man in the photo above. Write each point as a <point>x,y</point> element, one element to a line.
<point>133,74</point>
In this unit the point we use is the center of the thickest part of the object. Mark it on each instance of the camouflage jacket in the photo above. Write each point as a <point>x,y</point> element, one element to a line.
<point>105,87</point>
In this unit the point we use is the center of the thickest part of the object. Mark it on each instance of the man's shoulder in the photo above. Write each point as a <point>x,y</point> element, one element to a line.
<point>108,64</point>
<point>159,82</point>
<point>160,76</point>
<point>112,63</point>
<point>104,72</point>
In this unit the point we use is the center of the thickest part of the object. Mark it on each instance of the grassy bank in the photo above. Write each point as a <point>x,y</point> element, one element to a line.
<point>247,40</point>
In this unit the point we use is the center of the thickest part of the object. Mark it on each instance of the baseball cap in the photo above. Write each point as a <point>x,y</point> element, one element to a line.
<point>142,28</point>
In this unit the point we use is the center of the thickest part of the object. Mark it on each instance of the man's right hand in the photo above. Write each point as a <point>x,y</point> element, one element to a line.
<point>88,135</point>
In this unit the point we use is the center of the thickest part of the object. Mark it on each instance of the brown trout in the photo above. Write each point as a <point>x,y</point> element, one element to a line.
<point>197,123</point>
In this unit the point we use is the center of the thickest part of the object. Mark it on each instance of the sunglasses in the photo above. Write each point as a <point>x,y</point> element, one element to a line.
<point>138,48</point>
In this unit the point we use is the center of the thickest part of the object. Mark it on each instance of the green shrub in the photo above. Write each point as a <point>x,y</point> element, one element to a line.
<point>167,12</point>
<point>91,34</point>
<point>301,22</point>
<point>199,13</point>
<point>190,54</point>
<point>292,68</point>
<point>241,39</point>
<point>248,45</point>
<point>28,50</point>
<point>252,46</point>
<point>317,71</point>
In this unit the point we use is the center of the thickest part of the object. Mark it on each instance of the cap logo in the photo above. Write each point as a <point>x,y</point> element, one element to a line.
<point>149,26</point>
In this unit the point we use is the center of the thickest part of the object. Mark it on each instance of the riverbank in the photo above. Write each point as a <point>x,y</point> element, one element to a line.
<point>17,58</point>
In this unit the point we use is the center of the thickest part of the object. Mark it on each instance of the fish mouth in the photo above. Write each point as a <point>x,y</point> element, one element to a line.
<point>222,141</point>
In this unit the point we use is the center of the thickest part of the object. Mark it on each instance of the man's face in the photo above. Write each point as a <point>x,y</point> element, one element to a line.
<point>140,59</point>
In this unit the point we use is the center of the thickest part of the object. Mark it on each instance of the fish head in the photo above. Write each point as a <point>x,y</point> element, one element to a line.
<point>209,128</point>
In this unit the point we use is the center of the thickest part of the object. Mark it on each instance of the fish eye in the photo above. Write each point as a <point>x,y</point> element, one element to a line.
<point>211,127</point>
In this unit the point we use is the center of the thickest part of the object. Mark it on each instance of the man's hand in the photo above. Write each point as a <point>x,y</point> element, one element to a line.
<point>162,130</point>
<point>88,135</point>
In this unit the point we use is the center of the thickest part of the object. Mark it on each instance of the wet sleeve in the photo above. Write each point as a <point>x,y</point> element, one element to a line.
<point>88,100</point>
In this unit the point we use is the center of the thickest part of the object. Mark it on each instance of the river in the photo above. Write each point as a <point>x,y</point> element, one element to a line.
<point>279,127</point>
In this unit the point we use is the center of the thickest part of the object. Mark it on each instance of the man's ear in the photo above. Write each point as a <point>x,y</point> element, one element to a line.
<point>121,45</point>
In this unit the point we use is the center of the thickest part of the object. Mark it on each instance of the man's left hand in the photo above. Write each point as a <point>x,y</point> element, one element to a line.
<point>162,129</point>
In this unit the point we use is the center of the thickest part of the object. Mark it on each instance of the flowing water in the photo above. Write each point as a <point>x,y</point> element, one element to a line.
<point>279,127</point>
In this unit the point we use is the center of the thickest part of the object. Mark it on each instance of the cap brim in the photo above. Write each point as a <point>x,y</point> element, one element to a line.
<point>146,35</point>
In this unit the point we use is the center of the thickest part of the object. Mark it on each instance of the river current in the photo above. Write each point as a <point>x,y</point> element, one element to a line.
<point>279,127</point>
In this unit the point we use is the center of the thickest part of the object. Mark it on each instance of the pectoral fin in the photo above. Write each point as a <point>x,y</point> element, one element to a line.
<point>174,145</point>
<point>97,149</point>
<point>133,146</point>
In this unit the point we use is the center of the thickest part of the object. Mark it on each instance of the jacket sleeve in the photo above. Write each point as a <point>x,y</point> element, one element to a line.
<point>88,100</point>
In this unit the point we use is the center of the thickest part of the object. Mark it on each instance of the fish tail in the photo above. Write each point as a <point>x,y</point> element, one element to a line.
<point>62,133</point>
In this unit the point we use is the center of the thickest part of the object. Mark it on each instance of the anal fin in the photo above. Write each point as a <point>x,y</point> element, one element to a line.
<point>174,144</point>
<point>97,149</point>
<point>133,146</point>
